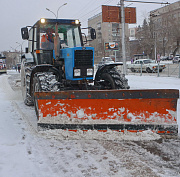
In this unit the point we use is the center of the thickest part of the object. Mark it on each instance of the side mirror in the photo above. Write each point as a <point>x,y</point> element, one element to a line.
<point>26,50</point>
<point>24,33</point>
<point>84,42</point>
<point>93,33</point>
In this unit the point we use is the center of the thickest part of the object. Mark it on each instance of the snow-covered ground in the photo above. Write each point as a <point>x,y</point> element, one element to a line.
<point>25,152</point>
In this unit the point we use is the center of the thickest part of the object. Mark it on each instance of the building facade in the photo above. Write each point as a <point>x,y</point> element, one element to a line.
<point>107,33</point>
<point>12,58</point>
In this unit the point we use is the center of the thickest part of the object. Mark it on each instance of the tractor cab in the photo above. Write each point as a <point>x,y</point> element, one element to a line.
<point>48,36</point>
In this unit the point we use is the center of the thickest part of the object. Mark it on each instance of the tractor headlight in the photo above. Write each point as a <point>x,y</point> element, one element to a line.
<point>76,22</point>
<point>43,20</point>
<point>89,71</point>
<point>77,72</point>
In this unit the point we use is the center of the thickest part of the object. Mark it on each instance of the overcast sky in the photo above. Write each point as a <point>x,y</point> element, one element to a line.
<point>19,13</point>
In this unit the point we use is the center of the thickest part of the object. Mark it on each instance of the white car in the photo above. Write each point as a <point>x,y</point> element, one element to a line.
<point>147,65</point>
<point>176,59</point>
<point>105,60</point>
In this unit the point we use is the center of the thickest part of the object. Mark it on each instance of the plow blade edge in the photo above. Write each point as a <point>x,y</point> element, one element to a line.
<point>120,110</point>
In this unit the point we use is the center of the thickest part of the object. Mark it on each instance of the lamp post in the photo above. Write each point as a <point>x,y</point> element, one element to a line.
<point>14,48</point>
<point>21,48</point>
<point>56,38</point>
<point>56,15</point>
<point>155,47</point>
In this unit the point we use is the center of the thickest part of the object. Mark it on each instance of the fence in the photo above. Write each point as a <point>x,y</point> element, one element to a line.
<point>171,70</point>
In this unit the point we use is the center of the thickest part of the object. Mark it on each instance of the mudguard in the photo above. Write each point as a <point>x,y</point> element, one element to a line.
<point>120,110</point>
<point>105,67</point>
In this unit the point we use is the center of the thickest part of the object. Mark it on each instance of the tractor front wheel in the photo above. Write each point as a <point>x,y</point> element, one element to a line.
<point>113,80</point>
<point>108,82</point>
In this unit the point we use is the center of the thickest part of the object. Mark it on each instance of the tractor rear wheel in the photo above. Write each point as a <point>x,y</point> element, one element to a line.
<point>25,85</point>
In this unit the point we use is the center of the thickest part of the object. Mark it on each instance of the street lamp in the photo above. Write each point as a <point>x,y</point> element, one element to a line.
<point>14,48</point>
<point>21,47</point>
<point>56,38</point>
<point>56,15</point>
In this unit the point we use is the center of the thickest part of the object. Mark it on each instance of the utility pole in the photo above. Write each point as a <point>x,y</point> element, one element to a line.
<point>155,47</point>
<point>123,36</point>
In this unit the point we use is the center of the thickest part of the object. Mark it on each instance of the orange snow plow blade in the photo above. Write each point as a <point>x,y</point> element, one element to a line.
<point>120,110</point>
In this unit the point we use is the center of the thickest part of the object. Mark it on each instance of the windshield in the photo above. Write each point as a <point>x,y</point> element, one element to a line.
<point>68,36</point>
<point>148,61</point>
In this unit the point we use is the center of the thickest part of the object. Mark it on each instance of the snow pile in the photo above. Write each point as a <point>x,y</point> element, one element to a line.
<point>97,135</point>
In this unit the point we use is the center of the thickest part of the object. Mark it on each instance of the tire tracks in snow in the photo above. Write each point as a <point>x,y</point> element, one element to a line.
<point>167,151</point>
<point>147,158</point>
<point>131,160</point>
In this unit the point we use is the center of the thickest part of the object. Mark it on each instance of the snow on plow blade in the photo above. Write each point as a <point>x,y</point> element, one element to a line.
<point>120,110</point>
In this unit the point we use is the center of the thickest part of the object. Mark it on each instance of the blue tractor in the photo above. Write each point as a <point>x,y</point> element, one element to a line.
<point>58,76</point>
<point>56,60</point>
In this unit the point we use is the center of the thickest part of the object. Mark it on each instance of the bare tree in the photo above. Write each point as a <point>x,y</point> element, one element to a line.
<point>145,38</point>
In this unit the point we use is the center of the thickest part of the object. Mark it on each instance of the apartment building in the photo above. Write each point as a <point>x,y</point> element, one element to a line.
<point>107,33</point>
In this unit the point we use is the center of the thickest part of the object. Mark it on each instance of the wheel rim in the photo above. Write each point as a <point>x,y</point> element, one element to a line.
<point>107,85</point>
<point>148,70</point>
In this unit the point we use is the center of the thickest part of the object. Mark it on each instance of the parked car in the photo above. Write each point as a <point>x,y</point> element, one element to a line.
<point>105,60</point>
<point>164,58</point>
<point>148,65</point>
<point>170,57</point>
<point>176,59</point>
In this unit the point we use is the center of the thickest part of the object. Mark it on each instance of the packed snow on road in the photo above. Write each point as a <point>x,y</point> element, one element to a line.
<point>27,152</point>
